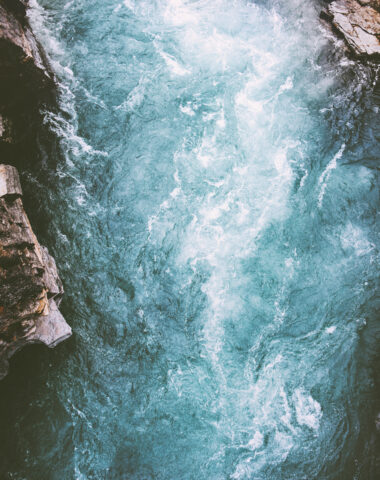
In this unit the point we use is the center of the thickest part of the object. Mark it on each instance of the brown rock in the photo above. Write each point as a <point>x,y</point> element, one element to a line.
<point>359,24</point>
<point>30,288</point>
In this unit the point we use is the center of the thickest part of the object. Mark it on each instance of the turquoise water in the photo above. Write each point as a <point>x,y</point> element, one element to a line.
<point>213,216</point>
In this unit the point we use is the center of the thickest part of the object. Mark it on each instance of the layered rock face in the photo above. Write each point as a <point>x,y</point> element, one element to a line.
<point>359,23</point>
<point>30,289</point>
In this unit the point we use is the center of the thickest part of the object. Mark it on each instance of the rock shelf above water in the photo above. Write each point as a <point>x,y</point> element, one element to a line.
<point>30,288</point>
<point>359,24</point>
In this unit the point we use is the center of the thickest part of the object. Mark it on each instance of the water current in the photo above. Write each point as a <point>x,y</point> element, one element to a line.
<point>211,203</point>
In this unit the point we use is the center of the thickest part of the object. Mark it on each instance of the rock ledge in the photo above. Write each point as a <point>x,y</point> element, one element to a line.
<point>30,289</point>
<point>359,24</point>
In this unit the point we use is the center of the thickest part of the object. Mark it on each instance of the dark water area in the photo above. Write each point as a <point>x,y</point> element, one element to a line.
<point>209,190</point>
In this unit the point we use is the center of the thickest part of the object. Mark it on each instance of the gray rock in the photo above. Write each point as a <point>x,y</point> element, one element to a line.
<point>359,24</point>
<point>51,279</point>
<point>30,288</point>
<point>51,329</point>
<point>9,181</point>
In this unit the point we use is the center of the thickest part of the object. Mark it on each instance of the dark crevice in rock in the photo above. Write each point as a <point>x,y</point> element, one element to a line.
<point>26,85</point>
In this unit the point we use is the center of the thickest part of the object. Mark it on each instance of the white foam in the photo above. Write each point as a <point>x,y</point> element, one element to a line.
<point>286,419</point>
<point>201,40</point>
<point>221,122</point>
<point>256,442</point>
<point>254,106</point>
<point>323,179</point>
<point>135,97</point>
<point>354,238</point>
<point>65,129</point>
<point>173,64</point>
<point>187,110</point>
<point>288,85</point>
<point>284,444</point>
<point>282,165</point>
<point>308,410</point>
<point>130,4</point>
<point>175,192</point>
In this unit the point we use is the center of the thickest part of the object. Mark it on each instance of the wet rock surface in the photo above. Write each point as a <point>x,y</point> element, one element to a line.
<point>30,288</point>
<point>359,24</point>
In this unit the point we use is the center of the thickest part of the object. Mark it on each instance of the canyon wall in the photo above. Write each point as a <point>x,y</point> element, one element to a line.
<point>30,288</point>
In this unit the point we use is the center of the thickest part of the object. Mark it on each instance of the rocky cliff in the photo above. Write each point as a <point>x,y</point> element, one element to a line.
<point>30,289</point>
<point>358,22</point>
<point>26,83</point>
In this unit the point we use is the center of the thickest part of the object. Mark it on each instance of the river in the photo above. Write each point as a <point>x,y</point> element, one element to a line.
<point>211,203</point>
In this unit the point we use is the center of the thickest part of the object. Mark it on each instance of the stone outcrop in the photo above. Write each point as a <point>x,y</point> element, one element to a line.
<point>30,289</point>
<point>359,23</point>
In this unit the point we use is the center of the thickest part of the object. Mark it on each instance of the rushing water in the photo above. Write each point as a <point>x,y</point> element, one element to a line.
<point>213,215</point>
